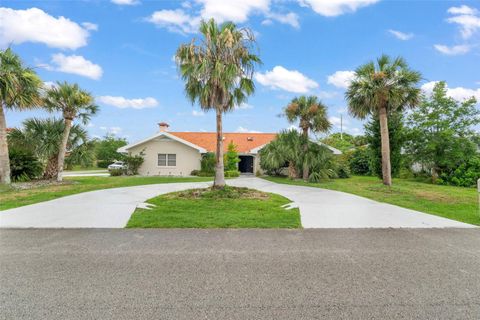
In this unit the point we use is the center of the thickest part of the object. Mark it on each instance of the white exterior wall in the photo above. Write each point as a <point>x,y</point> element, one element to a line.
<point>188,158</point>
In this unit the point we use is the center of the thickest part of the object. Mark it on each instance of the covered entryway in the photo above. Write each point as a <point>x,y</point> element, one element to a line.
<point>246,164</point>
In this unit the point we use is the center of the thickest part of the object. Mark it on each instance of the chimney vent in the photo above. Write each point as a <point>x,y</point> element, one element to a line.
<point>249,138</point>
<point>163,126</point>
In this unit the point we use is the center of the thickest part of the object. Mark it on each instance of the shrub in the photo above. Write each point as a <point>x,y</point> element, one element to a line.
<point>231,158</point>
<point>194,172</point>
<point>466,175</point>
<point>343,171</point>
<point>133,163</point>
<point>103,163</point>
<point>232,173</point>
<point>207,164</point>
<point>359,161</point>
<point>24,166</point>
<point>205,174</point>
<point>117,172</point>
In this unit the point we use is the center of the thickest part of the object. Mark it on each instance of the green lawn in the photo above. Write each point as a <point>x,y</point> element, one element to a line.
<point>206,208</point>
<point>461,204</point>
<point>11,198</point>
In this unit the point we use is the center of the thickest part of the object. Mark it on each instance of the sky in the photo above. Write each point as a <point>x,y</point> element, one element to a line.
<point>122,52</point>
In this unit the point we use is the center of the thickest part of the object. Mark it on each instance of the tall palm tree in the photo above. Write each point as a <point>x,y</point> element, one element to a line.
<point>74,103</point>
<point>218,74</point>
<point>43,138</point>
<point>311,114</point>
<point>379,88</point>
<point>19,90</point>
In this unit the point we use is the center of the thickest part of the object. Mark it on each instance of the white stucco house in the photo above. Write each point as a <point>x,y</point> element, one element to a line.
<point>169,153</point>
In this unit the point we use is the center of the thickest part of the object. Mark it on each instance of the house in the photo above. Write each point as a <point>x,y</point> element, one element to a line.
<point>179,153</point>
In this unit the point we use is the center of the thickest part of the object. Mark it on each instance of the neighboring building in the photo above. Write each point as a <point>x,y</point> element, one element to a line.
<point>179,153</point>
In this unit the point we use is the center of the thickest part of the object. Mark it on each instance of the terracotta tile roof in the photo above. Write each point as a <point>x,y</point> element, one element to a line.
<point>244,141</point>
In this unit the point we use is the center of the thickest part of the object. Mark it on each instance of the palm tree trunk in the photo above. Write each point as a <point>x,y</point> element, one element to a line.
<point>219,168</point>
<point>63,149</point>
<point>385,138</point>
<point>306,172</point>
<point>292,172</point>
<point>51,169</point>
<point>4,159</point>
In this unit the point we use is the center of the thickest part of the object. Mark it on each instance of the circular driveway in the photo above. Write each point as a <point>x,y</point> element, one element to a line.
<point>319,208</point>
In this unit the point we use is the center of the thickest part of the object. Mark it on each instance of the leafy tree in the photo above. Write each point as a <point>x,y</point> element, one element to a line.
<point>378,89</point>
<point>397,137</point>
<point>442,137</point>
<point>231,158</point>
<point>312,117</point>
<point>42,137</point>
<point>359,161</point>
<point>73,103</point>
<point>218,74</point>
<point>106,150</point>
<point>342,142</point>
<point>19,90</point>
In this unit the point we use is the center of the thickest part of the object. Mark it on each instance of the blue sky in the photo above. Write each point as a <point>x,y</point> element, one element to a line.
<point>121,51</point>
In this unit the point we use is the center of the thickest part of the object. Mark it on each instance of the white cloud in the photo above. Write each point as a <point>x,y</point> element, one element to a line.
<point>288,80</point>
<point>462,10</point>
<point>112,130</point>
<point>90,26</point>
<point>76,65</point>
<point>187,18</point>
<point>341,79</point>
<point>453,50</point>
<point>49,85</point>
<point>122,103</point>
<point>241,129</point>
<point>244,106</point>
<point>125,2</point>
<point>288,18</point>
<point>35,25</point>
<point>458,93</point>
<point>401,35</point>
<point>466,18</point>
<point>236,11</point>
<point>332,8</point>
<point>338,122</point>
<point>175,20</point>
<point>197,113</point>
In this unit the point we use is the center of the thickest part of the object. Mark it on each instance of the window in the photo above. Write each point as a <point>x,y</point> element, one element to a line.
<point>172,160</point>
<point>165,160</point>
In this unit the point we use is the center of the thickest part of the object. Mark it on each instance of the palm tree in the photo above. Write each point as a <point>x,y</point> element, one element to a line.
<point>283,150</point>
<point>43,137</point>
<point>19,90</point>
<point>312,116</point>
<point>218,74</point>
<point>73,102</point>
<point>378,89</point>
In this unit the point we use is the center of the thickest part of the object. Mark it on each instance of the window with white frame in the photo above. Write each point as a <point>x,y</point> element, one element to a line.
<point>167,160</point>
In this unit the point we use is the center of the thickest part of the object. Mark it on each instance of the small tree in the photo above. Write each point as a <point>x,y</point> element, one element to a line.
<point>134,163</point>
<point>442,136</point>
<point>106,150</point>
<point>231,157</point>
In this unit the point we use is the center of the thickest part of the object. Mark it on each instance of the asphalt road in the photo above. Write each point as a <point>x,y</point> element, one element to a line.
<point>240,274</point>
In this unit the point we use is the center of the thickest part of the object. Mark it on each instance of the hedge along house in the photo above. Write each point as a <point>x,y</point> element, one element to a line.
<point>179,153</point>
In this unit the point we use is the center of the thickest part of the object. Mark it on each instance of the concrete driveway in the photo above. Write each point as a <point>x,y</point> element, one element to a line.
<point>240,274</point>
<point>319,208</point>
